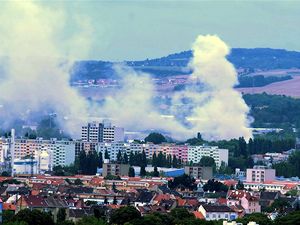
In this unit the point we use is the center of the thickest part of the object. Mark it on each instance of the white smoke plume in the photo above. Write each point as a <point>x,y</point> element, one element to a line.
<point>218,111</point>
<point>132,106</point>
<point>209,105</point>
<point>37,63</point>
<point>36,59</point>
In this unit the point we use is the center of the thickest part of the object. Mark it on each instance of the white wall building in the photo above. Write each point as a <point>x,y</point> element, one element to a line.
<point>52,151</point>
<point>195,153</point>
<point>100,132</point>
<point>217,212</point>
<point>24,166</point>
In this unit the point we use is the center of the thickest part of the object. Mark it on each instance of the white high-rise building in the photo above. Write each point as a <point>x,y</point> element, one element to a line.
<point>100,132</point>
<point>195,153</point>
<point>52,151</point>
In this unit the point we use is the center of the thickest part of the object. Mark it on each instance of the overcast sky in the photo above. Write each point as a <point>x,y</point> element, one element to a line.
<point>130,30</point>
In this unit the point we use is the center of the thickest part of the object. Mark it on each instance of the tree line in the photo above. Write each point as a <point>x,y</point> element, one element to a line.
<point>289,168</point>
<point>129,215</point>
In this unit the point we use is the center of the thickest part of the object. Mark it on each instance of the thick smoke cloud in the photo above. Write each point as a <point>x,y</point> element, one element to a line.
<point>217,111</point>
<point>36,63</point>
<point>132,106</point>
<point>36,58</point>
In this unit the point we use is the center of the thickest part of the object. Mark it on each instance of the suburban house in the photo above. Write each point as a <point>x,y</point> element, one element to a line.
<point>217,212</point>
<point>246,199</point>
<point>44,203</point>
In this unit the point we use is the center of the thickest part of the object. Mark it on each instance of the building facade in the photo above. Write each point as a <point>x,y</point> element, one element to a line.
<point>51,152</point>
<point>198,172</point>
<point>100,132</point>
<point>115,169</point>
<point>195,153</point>
<point>260,174</point>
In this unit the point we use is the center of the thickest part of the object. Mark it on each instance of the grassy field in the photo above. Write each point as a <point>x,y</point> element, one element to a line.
<point>288,87</point>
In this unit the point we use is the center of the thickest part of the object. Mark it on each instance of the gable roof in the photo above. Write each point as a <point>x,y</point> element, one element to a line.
<point>145,196</point>
<point>217,208</point>
<point>267,195</point>
<point>198,215</point>
<point>39,201</point>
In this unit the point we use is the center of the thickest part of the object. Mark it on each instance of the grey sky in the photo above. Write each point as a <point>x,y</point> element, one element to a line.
<point>125,30</point>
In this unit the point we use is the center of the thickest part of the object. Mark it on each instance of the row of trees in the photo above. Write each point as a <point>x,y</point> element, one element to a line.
<point>162,160</point>
<point>289,168</point>
<point>129,215</point>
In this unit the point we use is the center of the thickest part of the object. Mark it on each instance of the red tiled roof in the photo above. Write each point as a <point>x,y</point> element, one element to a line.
<point>198,215</point>
<point>9,206</point>
<point>230,183</point>
<point>160,197</point>
<point>222,201</point>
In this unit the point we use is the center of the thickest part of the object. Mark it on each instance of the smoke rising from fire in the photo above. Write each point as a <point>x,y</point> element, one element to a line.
<point>35,63</point>
<point>218,111</point>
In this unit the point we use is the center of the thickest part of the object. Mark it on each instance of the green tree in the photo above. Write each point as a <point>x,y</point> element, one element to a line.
<point>114,188</point>
<point>292,218</point>
<point>207,161</point>
<point>100,157</point>
<point>124,214</point>
<point>115,202</point>
<point>175,163</point>
<point>125,158</point>
<point>154,159</point>
<point>155,172</point>
<point>240,185</point>
<point>5,174</point>
<point>7,215</point>
<point>155,138</point>
<point>131,172</point>
<point>131,159</point>
<point>33,217</point>
<point>183,181</point>
<point>259,218</point>
<point>106,155</point>
<point>58,171</point>
<point>214,186</point>
<point>78,182</point>
<point>100,213</point>
<point>16,223</point>
<point>143,171</point>
<point>179,214</point>
<point>90,220</point>
<point>105,200</point>
<point>119,157</point>
<point>143,159</point>
<point>61,215</point>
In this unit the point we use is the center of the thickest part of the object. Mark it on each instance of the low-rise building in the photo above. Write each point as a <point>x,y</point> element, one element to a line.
<point>115,169</point>
<point>260,174</point>
<point>199,172</point>
<point>217,212</point>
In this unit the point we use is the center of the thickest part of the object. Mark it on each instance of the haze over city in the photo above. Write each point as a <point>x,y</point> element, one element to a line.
<point>149,112</point>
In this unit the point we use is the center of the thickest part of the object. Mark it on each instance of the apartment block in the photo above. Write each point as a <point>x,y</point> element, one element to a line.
<point>180,151</point>
<point>115,169</point>
<point>195,153</point>
<point>199,172</point>
<point>100,132</point>
<point>260,174</point>
<point>85,146</point>
<point>59,152</point>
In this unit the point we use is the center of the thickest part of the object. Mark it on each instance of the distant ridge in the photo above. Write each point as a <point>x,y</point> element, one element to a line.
<point>176,64</point>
